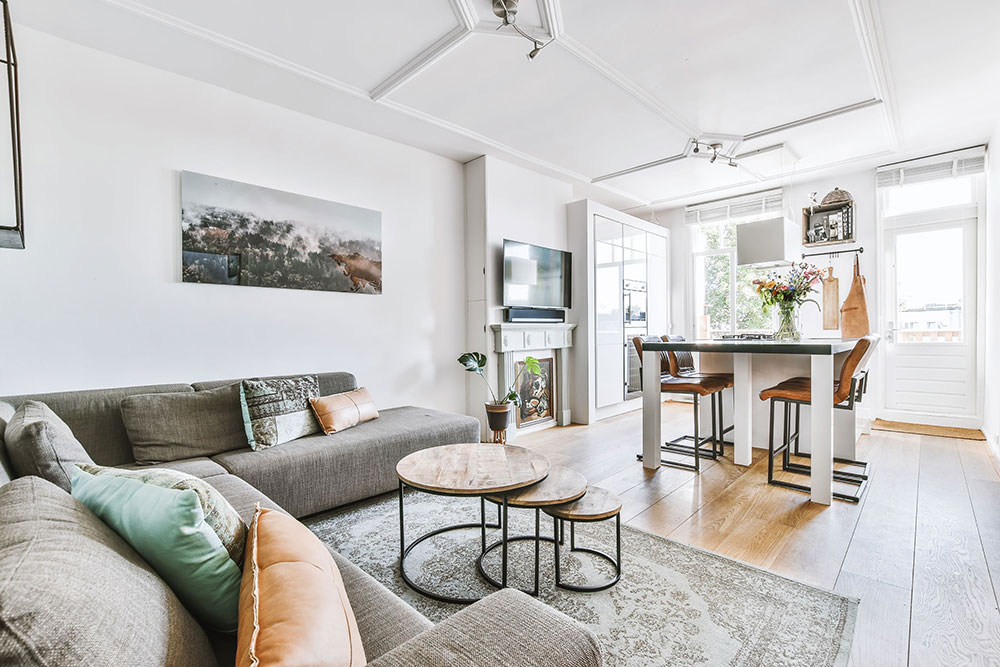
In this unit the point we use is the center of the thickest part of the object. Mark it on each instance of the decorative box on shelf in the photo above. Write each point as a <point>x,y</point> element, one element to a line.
<point>831,221</point>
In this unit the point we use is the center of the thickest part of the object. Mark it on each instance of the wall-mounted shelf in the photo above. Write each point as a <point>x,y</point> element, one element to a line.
<point>828,225</point>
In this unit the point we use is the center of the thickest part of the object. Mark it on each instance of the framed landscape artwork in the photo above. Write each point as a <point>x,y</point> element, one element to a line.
<point>238,234</point>
<point>537,393</point>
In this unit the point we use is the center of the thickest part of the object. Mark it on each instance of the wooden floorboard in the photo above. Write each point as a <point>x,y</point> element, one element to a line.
<point>921,551</point>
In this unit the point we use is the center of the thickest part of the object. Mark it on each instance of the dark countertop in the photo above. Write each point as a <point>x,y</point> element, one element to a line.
<point>806,346</point>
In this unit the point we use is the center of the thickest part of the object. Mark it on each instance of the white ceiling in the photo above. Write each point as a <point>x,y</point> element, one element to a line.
<point>797,88</point>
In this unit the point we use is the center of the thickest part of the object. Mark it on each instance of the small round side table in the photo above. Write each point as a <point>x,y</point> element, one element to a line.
<point>596,505</point>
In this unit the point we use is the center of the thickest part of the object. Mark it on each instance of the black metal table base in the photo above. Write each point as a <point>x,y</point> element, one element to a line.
<point>616,562</point>
<point>482,525</point>
<point>537,538</point>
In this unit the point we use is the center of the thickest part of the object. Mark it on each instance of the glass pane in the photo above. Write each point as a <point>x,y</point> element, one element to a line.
<point>750,316</point>
<point>930,275</point>
<point>711,295</point>
<point>928,195</point>
<point>713,237</point>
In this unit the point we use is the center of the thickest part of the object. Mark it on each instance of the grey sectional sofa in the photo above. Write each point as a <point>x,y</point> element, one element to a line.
<point>300,477</point>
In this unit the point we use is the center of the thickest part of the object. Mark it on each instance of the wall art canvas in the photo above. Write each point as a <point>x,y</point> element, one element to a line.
<point>537,393</point>
<point>238,234</point>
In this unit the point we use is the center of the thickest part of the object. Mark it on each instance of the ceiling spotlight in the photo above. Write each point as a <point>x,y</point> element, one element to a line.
<point>506,10</point>
<point>716,149</point>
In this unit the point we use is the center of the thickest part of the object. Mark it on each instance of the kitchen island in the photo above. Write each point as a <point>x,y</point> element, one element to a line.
<point>766,355</point>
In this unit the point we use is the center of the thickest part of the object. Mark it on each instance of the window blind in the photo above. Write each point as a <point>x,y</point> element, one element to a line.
<point>948,165</point>
<point>735,209</point>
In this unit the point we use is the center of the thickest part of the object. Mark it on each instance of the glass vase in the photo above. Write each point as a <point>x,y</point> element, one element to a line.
<point>788,322</point>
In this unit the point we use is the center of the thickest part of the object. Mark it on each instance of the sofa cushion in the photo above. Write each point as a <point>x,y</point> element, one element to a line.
<point>241,495</point>
<point>342,411</point>
<point>277,410</point>
<point>288,571</point>
<point>200,467</point>
<point>220,516</point>
<point>329,383</point>
<point>384,619</point>
<point>40,443</point>
<point>6,472</point>
<point>95,417</point>
<point>320,472</point>
<point>182,425</point>
<point>72,592</point>
<point>167,527</point>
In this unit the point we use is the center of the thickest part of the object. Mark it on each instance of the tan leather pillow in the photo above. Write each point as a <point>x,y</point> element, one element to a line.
<point>293,606</point>
<point>340,411</point>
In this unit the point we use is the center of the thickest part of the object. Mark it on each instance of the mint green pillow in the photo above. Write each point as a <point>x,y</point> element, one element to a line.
<point>167,527</point>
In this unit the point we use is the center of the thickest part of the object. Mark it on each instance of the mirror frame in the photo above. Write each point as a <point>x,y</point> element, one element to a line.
<point>13,236</point>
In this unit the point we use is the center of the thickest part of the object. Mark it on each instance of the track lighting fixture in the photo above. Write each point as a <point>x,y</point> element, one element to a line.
<point>716,151</point>
<point>506,10</point>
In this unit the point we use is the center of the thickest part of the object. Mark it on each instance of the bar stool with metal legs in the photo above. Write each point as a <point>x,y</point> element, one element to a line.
<point>848,390</point>
<point>698,387</point>
<point>681,364</point>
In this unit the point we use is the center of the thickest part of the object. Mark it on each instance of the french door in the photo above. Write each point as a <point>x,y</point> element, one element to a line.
<point>930,317</point>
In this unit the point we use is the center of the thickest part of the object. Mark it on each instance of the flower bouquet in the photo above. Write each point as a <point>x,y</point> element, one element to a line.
<point>788,293</point>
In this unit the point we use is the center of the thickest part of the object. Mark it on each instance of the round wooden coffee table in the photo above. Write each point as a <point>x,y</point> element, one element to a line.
<point>563,485</point>
<point>471,469</point>
<point>596,505</point>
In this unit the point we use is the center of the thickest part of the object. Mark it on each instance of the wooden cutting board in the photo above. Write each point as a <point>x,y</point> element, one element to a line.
<point>831,301</point>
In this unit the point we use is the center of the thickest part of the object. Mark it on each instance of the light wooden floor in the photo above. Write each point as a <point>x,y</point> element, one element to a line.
<point>921,551</point>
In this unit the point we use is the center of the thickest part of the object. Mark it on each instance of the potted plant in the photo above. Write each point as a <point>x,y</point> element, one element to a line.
<point>498,411</point>
<point>788,292</point>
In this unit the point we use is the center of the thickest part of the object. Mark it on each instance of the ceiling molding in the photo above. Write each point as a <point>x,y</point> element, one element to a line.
<point>551,14</point>
<point>823,115</point>
<point>503,148</point>
<point>466,13</point>
<point>237,46</point>
<point>642,167</point>
<point>868,25</point>
<point>590,58</point>
<point>427,57</point>
<point>791,175</point>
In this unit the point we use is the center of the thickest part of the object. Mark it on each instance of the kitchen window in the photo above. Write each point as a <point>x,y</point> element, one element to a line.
<point>724,300</point>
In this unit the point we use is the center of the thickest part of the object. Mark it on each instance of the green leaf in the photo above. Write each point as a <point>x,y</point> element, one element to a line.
<point>532,365</point>
<point>512,397</point>
<point>474,362</point>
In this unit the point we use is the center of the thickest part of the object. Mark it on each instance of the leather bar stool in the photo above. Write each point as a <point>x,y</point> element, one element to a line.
<point>848,389</point>
<point>681,365</point>
<point>698,387</point>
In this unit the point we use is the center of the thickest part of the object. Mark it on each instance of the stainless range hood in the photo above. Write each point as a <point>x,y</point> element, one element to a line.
<point>766,243</point>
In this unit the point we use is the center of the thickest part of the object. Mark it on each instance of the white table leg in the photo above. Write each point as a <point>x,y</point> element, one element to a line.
<point>651,416</point>
<point>821,417</point>
<point>743,400</point>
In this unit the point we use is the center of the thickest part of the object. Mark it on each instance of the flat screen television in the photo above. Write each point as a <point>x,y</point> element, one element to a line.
<point>536,277</point>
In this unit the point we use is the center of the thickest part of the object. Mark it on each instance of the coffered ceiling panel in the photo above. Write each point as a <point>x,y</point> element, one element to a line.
<point>361,44</point>
<point>730,66</point>
<point>832,140</point>
<point>686,176</point>
<point>556,108</point>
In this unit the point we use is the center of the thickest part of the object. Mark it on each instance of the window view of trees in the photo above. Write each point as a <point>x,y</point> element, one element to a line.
<point>716,276</point>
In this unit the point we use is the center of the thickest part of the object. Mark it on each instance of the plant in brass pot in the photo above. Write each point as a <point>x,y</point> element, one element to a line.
<point>499,410</point>
<point>788,293</point>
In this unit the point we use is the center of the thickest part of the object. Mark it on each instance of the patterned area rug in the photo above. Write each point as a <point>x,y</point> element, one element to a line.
<point>674,604</point>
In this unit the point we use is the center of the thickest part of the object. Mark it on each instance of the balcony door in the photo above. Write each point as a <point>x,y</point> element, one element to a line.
<point>931,318</point>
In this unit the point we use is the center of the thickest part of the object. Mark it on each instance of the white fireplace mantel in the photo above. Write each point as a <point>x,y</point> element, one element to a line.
<point>510,339</point>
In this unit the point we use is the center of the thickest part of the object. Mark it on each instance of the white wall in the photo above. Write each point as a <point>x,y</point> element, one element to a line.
<point>504,201</point>
<point>992,333</point>
<point>96,299</point>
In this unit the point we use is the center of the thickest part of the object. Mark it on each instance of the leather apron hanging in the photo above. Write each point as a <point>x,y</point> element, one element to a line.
<point>854,313</point>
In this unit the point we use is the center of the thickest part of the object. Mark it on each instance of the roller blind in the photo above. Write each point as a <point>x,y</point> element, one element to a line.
<point>948,165</point>
<point>735,209</point>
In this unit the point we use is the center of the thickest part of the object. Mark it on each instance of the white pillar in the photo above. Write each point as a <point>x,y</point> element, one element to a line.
<point>743,401</point>
<point>651,416</point>
<point>821,414</point>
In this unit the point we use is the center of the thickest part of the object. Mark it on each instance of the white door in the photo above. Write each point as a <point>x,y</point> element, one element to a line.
<point>609,353</point>
<point>930,317</point>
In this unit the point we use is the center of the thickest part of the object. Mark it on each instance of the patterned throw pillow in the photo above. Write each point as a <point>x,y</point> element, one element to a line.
<point>277,410</point>
<point>219,514</point>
